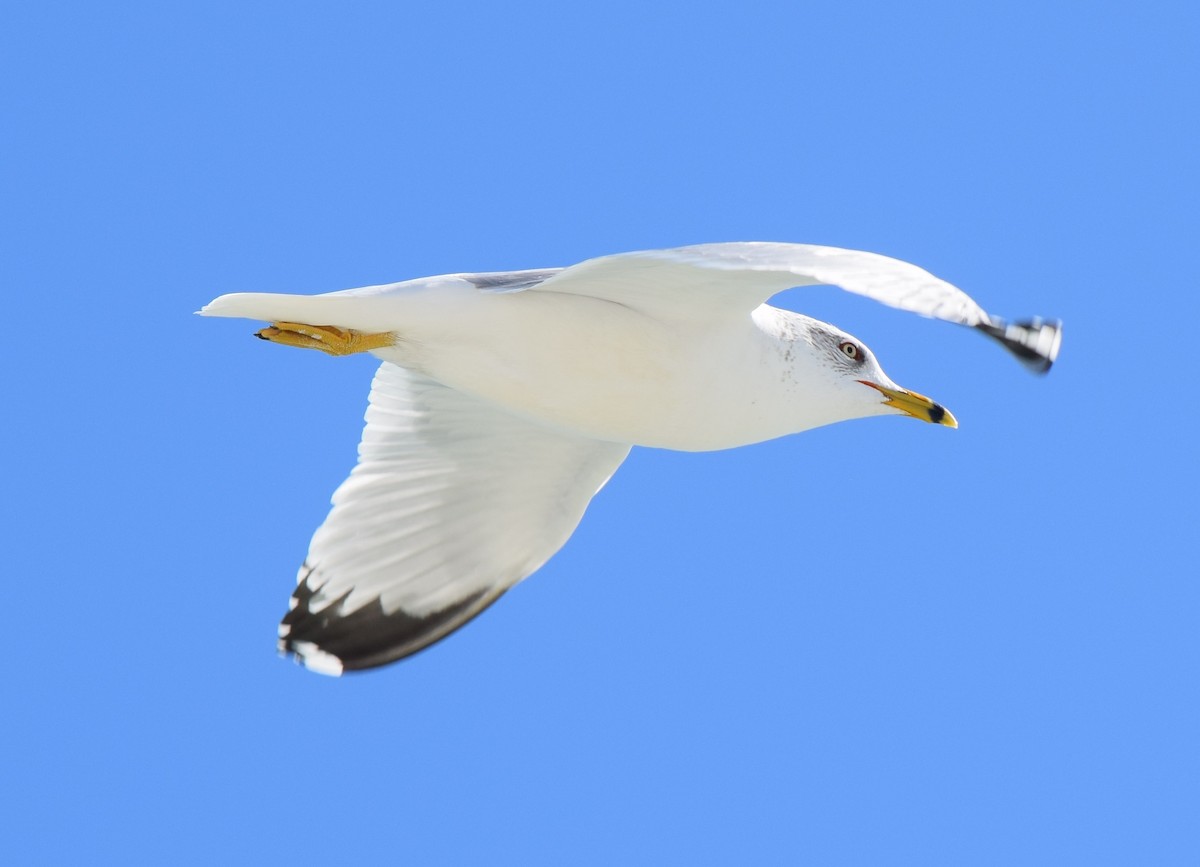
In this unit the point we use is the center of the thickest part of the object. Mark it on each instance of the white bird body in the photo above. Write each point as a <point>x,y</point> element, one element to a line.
<point>608,372</point>
<point>505,401</point>
<point>584,365</point>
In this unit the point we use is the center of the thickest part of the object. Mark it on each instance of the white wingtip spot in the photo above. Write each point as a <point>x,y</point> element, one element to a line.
<point>317,660</point>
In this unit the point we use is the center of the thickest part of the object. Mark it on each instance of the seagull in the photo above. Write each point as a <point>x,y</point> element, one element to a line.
<point>505,401</point>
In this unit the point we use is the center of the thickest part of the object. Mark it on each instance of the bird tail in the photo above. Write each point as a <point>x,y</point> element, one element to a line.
<point>343,312</point>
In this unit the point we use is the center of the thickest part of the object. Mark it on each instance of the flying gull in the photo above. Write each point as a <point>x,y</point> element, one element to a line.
<point>505,401</point>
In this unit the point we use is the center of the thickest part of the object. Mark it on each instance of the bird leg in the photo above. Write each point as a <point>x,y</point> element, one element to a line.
<point>327,338</point>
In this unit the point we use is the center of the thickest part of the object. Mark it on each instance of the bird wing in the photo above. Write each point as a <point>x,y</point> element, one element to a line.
<point>453,501</point>
<point>727,279</point>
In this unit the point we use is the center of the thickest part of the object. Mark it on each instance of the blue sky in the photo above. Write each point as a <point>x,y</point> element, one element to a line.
<point>875,643</point>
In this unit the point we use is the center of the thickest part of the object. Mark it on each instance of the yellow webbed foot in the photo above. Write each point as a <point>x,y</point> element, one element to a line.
<point>327,338</point>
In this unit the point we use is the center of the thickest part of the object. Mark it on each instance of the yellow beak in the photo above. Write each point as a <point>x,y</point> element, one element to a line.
<point>916,405</point>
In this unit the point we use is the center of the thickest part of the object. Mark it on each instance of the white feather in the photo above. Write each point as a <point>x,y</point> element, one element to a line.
<point>451,496</point>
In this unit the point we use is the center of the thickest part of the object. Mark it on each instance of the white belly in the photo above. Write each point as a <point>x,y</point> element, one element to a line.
<point>600,369</point>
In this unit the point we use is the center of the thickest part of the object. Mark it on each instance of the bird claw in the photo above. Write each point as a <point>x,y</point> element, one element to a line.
<point>326,338</point>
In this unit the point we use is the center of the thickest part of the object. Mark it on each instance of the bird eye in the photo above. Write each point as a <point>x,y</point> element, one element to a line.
<point>850,350</point>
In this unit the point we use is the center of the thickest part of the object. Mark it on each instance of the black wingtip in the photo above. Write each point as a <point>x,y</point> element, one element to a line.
<point>1034,341</point>
<point>332,641</point>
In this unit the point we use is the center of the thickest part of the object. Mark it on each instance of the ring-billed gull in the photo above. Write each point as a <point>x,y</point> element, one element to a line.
<point>505,401</point>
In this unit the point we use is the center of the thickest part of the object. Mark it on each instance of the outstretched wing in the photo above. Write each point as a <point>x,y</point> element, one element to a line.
<point>720,279</point>
<point>452,502</point>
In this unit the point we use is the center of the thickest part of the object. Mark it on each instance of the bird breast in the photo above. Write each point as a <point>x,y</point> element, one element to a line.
<point>603,370</point>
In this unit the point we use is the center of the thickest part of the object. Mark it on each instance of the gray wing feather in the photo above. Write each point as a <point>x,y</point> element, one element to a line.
<point>727,279</point>
<point>509,281</point>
